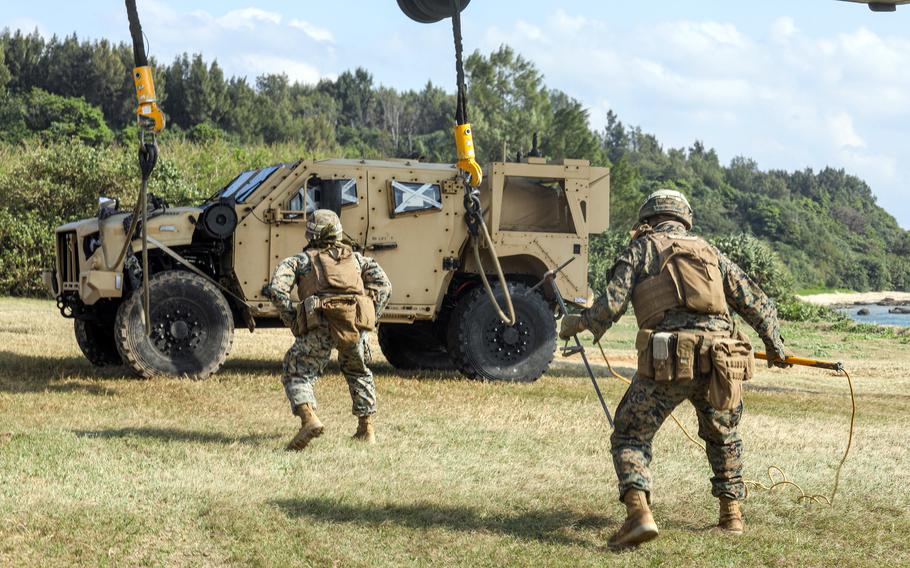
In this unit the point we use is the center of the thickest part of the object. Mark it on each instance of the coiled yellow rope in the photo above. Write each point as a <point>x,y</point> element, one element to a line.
<point>776,476</point>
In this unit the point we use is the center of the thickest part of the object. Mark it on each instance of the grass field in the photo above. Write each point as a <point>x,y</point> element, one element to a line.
<point>99,468</point>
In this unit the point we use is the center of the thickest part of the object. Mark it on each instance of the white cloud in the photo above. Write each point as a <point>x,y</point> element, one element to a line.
<point>263,63</point>
<point>530,31</point>
<point>783,30</point>
<point>314,32</point>
<point>567,23</point>
<point>788,98</point>
<point>843,134</point>
<point>248,18</point>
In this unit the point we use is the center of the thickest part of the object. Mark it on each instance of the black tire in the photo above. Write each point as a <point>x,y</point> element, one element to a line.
<point>96,340</point>
<point>414,347</point>
<point>485,348</point>
<point>192,328</point>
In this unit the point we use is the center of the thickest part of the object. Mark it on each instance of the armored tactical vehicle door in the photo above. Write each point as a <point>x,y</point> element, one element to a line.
<point>274,227</point>
<point>415,232</point>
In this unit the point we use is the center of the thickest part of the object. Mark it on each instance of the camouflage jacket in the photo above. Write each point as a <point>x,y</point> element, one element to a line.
<point>640,260</point>
<point>288,271</point>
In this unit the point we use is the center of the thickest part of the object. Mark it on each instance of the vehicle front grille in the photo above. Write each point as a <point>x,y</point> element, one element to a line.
<point>68,261</point>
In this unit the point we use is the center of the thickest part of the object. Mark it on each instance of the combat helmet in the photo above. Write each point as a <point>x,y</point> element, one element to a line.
<point>323,225</point>
<point>667,202</point>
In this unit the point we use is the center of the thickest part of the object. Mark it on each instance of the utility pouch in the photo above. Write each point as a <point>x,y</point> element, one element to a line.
<point>366,313</point>
<point>704,356</point>
<point>662,355</point>
<point>311,306</point>
<point>686,355</point>
<point>732,363</point>
<point>643,346</point>
<point>340,313</point>
<point>298,324</point>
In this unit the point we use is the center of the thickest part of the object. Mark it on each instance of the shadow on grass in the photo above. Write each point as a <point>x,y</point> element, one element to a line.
<point>379,368</point>
<point>552,526</point>
<point>29,373</point>
<point>574,368</point>
<point>176,435</point>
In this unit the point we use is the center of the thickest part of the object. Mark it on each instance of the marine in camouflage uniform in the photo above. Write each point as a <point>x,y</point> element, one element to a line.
<point>648,402</point>
<point>309,355</point>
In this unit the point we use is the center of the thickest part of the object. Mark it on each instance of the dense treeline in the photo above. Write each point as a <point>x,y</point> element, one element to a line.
<point>66,132</point>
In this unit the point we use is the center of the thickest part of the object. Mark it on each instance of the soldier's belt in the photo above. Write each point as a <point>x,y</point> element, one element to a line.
<point>678,355</point>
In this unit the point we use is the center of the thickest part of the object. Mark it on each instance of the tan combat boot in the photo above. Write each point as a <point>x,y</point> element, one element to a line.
<point>365,431</point>
<point>639,526</point>
<point>310,427</point>
<point>731,517</point>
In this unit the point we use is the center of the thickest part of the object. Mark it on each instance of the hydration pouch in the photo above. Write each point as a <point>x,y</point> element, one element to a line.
<point>336,269</point>
<point>732,363</point>
<point>340,313</point>
<point>662,355</point>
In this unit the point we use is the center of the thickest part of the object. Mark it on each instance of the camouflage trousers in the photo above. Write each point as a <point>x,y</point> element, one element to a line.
<point>643,409</point>
<point>306,360</point>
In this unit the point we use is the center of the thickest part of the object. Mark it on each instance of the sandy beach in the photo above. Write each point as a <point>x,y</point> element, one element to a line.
<point>851,298</point>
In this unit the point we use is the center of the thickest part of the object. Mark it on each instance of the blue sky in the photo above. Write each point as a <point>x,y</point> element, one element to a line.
<point>792,84</point>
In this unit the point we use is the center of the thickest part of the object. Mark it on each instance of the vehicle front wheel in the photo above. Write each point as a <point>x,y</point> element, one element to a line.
<point>192,327</point>
<point>96,340</point>
<point>483,347</point>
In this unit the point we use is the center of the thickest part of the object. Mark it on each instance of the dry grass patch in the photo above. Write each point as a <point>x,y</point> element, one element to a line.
<point>99,468</point>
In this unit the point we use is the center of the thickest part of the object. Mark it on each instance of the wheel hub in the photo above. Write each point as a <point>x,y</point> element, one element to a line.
<point>180,329</point>
<point>507,344</point>
<point>511,336</point>
<point>177,328</point>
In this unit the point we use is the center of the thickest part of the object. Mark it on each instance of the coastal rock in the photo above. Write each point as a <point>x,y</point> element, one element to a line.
<point>888,302</point>
<point>899,310</point>
<point>863,312</point>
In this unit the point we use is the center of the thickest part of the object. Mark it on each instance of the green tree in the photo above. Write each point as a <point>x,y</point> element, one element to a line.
<point>4,70</point>
<point>569,134</point>
<point>509,102</point>
<point>60,118</point>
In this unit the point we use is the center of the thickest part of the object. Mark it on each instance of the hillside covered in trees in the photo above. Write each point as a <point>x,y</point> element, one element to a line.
<point>66,137</point>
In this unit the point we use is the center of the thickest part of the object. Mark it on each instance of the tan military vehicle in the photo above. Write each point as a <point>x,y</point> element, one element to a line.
<point>208,264</point>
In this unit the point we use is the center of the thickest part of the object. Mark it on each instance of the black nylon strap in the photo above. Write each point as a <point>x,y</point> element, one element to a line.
<point>140,57</point>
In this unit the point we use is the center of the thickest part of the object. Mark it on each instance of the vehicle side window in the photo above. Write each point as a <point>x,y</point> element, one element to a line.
<point>415,197</point>
<point>314,193</point>
<point>536,205</point>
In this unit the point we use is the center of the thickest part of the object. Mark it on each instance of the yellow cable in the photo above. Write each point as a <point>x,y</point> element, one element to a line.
<point>782,479</point>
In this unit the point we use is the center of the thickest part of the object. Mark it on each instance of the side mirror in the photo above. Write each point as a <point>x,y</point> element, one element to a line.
<point>431,11</point>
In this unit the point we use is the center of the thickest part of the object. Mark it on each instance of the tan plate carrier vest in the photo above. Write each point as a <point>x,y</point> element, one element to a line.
<point>335,279</point>
<point>689,278</point>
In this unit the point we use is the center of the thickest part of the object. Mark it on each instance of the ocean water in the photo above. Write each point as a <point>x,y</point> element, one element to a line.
<point>877,315</point>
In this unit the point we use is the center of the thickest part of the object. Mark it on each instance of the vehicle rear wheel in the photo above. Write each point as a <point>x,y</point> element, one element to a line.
<point>96,340</point>
<point>192,328</point>
<point>485,348</point>
<point>414,347</point>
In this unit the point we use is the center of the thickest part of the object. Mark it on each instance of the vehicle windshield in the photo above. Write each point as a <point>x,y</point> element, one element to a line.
<point>243,186</point>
